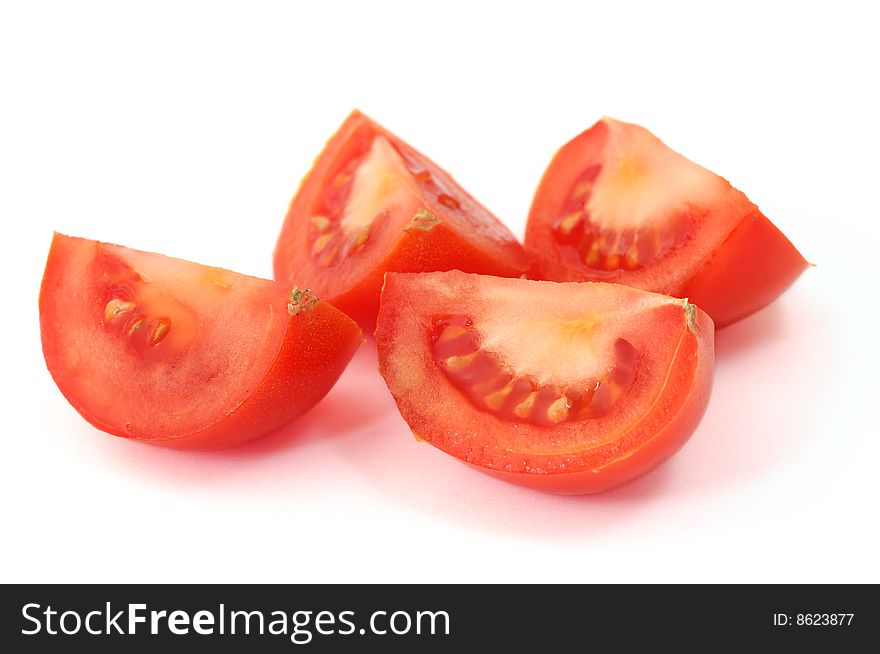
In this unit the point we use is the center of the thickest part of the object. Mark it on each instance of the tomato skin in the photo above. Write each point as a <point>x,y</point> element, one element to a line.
<point>308,352</point>
<point>322,343</point>
<point>484,245</point>
<point>753,267</point>
<point>745,261</point>
<point>693,386</point>
<point>416,251</point>
<point>418,385</point>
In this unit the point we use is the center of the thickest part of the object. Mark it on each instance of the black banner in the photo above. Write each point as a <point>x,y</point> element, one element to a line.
<point>433,618</point>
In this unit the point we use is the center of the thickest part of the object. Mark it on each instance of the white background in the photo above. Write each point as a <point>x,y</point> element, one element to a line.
<point>185,129</point>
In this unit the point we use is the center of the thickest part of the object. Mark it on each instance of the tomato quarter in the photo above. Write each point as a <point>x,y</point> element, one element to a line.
<point>570,388</point>
<point>373,204</point>
<point>618,205</point>
<point>174,353</point>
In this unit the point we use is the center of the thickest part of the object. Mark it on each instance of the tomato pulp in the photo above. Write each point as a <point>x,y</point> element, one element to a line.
<point>372,204</point>
<point>175,353</point>
<point>617,205</point>
<point>570,388</point>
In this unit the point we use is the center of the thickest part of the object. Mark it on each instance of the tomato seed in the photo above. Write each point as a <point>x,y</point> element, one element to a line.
<point>361,237</point>
<point>340,180</point>
<point>558,410</point>
<point>136,324</point>
<point>489,386</point>
<point>160,331</point>
<point>448,201</point>
<point>321,243</point>
<point>524,409</point>
<point>320,223</point>
<point>495,400</point>
<point>116,308</point>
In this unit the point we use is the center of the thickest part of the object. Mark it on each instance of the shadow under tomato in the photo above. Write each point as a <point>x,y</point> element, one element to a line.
<point>298,445</point>
<point>753,427</point>
<point>770,324</point>
<point>354,441</point>
<point>767,400</point>
<point>344,409</point>
<point>426,480</point>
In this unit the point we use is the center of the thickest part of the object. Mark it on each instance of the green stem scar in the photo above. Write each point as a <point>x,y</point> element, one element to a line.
<point>301,301</point>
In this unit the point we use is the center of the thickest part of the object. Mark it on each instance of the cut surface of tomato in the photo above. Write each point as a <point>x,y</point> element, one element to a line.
<point>617,205</point>
<point>372,204</point>
<point>570,388</point>
<point>172,352</point>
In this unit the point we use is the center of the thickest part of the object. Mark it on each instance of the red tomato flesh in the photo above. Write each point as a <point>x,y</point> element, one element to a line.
<point>175,353</point>
<point>618,205</point>
<point>372,204</point>
<point>570,388</point>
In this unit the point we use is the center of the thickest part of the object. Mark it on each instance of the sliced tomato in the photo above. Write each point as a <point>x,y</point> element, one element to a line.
<point>373,204</point>
<point>175,353</point>
<point>618,205</point>
<point>570,388</point>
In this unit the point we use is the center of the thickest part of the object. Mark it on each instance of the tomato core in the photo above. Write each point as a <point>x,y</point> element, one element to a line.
<point>365,190</point>
<point>490,385</point>
<point>605,247</point>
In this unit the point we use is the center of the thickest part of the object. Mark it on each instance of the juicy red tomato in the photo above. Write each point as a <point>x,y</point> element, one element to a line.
<point>618,205</point>
<point>570,388</point>
<point>373,204</point>
<point>175,353</point>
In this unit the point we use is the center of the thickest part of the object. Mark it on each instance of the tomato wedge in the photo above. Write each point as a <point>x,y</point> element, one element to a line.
<point>617,205</point>
<point>569,388</point>
<point>372,204</point>
<point>174,353</point>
